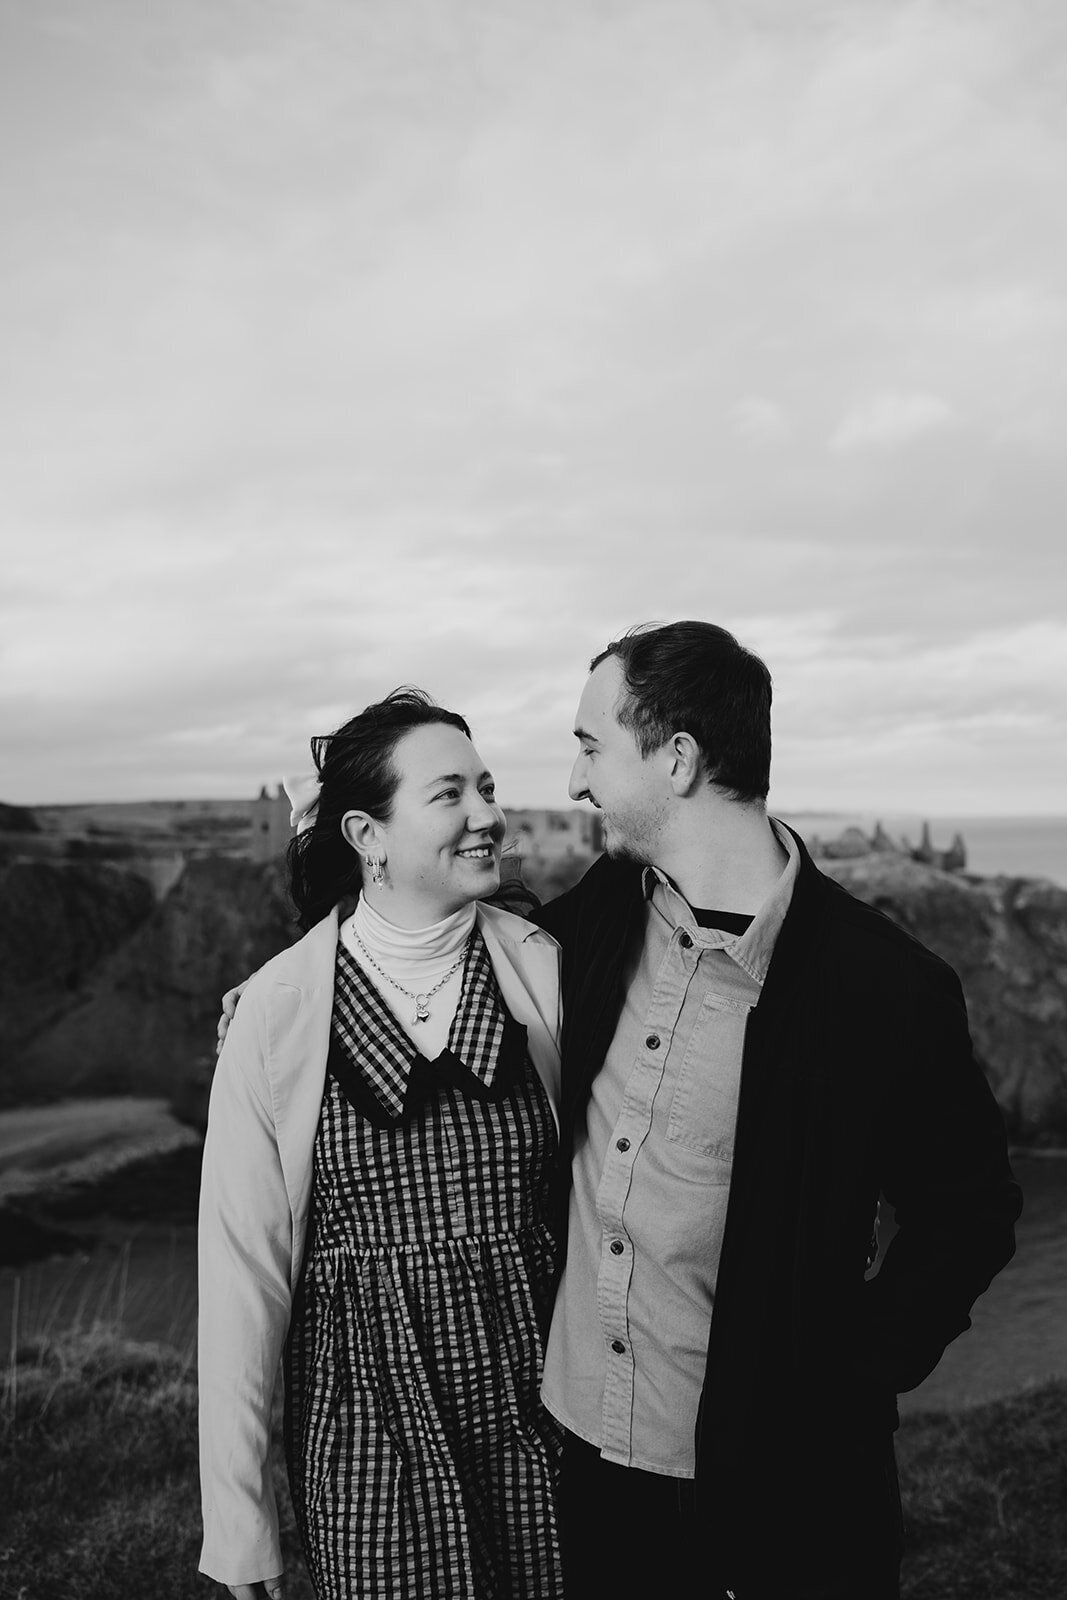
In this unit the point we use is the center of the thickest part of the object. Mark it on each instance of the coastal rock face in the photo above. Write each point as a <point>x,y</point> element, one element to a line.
<point>141,1019</point>
<point>110,985</point>
<point>1007,940</point>
<point>59,925</point>
<point>17,819</point>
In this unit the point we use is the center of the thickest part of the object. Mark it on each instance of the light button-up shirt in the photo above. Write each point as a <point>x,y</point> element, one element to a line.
<point>625,1361</point>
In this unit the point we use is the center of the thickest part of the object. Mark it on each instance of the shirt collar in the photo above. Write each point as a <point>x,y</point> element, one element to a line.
<point>753,949</point>
<point>482,1037</point>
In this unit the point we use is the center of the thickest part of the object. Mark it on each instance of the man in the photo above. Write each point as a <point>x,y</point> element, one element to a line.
<point>750,1058</point>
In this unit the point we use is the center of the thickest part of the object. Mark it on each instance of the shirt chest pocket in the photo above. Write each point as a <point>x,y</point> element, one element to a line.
<point>704,1106</point>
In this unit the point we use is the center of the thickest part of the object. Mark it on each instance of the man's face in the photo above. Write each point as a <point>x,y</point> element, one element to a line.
<point>610,771</point>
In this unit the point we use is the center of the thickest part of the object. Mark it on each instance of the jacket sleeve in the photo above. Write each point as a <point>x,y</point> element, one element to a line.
<point>245,1253</point>
<point>557,917</point>
<point>945,1172</point>
<point>561,917</point>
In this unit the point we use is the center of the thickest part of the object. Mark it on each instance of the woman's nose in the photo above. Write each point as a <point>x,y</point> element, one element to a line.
<point>482,813</point>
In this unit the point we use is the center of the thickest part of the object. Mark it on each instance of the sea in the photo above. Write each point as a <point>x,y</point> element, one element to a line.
<point>1015,847</point>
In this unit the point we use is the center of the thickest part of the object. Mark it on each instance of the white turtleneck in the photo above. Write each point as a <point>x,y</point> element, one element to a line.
<point>417,958</point>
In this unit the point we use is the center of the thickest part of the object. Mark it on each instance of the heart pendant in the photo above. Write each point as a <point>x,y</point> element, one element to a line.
<point>422,1008</point>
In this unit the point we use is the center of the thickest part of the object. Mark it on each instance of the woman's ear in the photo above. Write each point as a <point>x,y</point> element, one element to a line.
<point>362,833</point>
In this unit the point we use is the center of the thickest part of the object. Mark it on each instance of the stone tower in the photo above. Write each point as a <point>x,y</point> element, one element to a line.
<point>270,825</point>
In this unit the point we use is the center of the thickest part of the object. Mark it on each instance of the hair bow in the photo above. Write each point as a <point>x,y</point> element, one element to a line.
<point>303,790</point>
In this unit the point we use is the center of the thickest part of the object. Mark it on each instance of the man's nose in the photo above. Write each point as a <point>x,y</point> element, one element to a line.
<point>576,788</point>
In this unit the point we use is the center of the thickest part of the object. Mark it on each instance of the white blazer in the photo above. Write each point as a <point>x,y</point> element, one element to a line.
<point>266,1100</point>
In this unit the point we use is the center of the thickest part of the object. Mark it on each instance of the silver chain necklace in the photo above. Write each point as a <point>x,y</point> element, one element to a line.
<point>422,1001</point>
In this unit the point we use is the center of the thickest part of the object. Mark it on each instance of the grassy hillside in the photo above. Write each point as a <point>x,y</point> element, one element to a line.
<point>985,1495</point>
<point>98,1476</point>
<point>99,1488</point>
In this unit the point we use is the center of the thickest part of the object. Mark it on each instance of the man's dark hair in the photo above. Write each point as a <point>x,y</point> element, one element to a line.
<point>692,677</point>
<point>357,771</point>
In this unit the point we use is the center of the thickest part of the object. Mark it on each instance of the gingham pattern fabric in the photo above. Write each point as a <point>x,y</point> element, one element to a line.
<point>421,1460</point>
<point>383,1055</point>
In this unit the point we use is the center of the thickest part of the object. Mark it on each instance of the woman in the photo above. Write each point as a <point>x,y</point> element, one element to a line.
<point>375,1197</point>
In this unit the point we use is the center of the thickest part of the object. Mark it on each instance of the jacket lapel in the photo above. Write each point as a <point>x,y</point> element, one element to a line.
<point>298,1042</point>
<point>780,1066</point>
<point>593,990</point>
<point>525,963</point>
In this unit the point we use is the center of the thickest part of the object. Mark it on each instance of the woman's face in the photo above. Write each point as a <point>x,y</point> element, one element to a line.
<point>442,842</point>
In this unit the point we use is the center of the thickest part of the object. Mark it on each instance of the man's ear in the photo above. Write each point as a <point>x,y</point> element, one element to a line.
<point>687,763</point>
<point>362,833</point>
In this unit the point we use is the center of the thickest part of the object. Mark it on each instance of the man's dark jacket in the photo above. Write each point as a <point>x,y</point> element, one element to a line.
<point>858,1079</point>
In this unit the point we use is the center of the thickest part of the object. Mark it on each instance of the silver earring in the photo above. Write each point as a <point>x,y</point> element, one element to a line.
<point>377,871</point>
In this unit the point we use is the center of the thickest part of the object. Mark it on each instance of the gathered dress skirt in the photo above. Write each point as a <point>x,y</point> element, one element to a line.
<point>422,1463</point>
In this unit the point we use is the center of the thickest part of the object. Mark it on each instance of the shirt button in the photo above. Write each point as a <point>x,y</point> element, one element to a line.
<point>618,1347</point>
<point>686,941</point>
<point>622,1144</point>
<point>617,1247</point>
<point>653,1041</point>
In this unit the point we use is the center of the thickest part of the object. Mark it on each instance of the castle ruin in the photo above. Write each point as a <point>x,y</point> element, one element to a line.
<point>537,833</point>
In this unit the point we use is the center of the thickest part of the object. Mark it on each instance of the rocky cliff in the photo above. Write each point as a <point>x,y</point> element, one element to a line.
<point>1007,940</point>
<point>112,992</point>
<point>59,925</point>
<point>104,989</point>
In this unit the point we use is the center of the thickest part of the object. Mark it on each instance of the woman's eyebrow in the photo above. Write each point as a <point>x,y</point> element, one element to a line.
<point>455,777</point>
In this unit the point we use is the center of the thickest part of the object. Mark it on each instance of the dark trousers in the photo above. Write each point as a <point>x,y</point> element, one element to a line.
<point>630,1535</point>
<point>625,1533</point>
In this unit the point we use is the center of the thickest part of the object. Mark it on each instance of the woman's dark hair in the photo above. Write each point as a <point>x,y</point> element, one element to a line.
<point>355,765</point>
<point>692,677</point>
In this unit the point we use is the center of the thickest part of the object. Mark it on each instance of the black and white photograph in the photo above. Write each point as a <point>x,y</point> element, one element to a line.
<point>533,799</point>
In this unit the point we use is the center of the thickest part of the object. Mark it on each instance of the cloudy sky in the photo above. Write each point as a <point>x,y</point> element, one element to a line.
<point>347,344</point>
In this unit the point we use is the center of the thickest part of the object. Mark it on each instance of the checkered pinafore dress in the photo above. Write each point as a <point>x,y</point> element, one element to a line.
<point>421,1461</point>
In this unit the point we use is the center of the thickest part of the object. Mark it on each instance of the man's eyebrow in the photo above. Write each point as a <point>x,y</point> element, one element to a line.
<point>456,777</point>
<point>585,738</point>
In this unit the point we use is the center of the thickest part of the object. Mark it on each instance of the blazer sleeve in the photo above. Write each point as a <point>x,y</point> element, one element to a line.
<point>245,1254</point>
<point>945,1171</point>
<point>557,919</point>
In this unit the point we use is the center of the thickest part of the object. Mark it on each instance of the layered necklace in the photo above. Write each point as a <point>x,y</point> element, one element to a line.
<point>421,1012</point>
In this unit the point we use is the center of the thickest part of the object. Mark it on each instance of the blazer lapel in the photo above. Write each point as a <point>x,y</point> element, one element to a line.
<point>781,1062</point>
<point>298,1042</point>
<point>525,961</point>
<point>594,994</point>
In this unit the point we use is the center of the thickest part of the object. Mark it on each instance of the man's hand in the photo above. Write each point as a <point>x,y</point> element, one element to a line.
<point>229,1006</point>
<point>272,1589</point>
